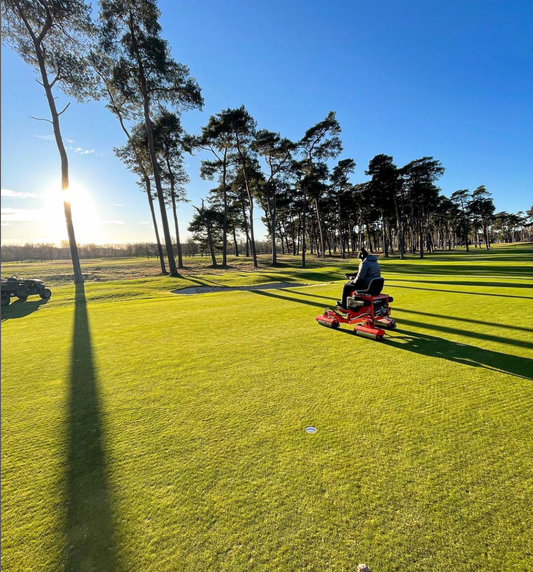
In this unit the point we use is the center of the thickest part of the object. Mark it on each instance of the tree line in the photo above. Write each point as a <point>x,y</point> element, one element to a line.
<point>48,251</point>
<point>505,228</point>
<point>303,188</point>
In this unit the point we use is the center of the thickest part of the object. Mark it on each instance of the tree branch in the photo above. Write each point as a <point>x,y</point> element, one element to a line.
<point>40,119</point>
<point>48,23</point>
<point>65,108</point>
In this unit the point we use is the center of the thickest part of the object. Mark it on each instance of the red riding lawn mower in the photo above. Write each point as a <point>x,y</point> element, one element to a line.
<point>367,309</point>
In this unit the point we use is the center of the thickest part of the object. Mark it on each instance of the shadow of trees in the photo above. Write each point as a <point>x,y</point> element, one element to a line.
<point>432,346</point>
<point>90,543</point>
<point>453,291</point>
<point>467,320</point>
<point>458,270</point>
<point>492,284</point>
<point>465,332</point>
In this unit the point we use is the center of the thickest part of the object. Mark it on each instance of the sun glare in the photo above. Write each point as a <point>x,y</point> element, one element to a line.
<point>84,214</point>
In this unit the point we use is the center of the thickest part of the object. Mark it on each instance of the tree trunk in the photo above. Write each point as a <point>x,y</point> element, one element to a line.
<point>76,266</point>
<point>154,222</point>
<point>421,237</point>
<point>401,245</point>
<point>251,200</point>
<point>252,238</point>
<point>235,242</point>
<point>175,214</point>
<point>341,235</point>
<point>370,246</point>
<point>384,229</point>
<point>486,236</point>
<point>303,231</point>
<point>225,222</point>
<point>211,246</point>
<point>320,232</point>
<point>153,155</point>
<point>246,229</point>
<point>273,233</point>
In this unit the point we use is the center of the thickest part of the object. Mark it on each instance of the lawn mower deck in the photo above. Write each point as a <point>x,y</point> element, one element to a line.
<point>370,315</point>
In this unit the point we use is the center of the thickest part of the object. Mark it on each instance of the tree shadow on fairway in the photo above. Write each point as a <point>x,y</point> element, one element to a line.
<point>453,291</point>
<point>468,320</point>
<point>328,276</point>
<point>310,295</point>
<point>21,309</point>
<point>287,298</point>
<point>462,353</point>
<point>444,282</point>
<point>432,346</point>
<point>460,270</point>
<point>203,281</point>
<point>465,332</point>
<point>89,526</point>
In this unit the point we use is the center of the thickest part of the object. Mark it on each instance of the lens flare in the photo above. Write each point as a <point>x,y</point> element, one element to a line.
<point>87,224</point>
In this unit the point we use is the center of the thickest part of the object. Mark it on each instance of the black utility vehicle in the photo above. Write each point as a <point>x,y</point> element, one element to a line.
<point>14,286</point>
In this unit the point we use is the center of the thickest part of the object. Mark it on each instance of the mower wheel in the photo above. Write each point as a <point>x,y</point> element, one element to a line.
<point>6,300</point>
<point>47,293</point>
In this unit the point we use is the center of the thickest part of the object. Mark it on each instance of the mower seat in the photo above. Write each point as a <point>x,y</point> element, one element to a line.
<point>374,287</point>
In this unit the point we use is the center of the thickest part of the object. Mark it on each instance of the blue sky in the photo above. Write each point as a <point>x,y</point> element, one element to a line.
<point>452,80</point>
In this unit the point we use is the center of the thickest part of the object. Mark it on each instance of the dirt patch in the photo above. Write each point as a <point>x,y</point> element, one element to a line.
<point>209,289</point>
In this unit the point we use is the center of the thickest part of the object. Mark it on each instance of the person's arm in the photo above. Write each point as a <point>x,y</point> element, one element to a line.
<point>352,275</point>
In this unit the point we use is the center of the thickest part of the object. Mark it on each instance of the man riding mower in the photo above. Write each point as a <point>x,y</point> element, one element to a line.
<point>362,304</point>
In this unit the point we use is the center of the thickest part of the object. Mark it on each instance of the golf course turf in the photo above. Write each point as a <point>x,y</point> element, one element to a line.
<point>144,430</point>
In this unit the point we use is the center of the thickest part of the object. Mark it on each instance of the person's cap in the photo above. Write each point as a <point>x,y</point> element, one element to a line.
<point>363,254</point>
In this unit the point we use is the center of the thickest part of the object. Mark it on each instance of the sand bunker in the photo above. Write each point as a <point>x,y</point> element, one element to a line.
<point>209,289</point>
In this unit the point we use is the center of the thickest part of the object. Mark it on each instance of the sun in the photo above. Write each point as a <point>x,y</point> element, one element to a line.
<point>87,224</point>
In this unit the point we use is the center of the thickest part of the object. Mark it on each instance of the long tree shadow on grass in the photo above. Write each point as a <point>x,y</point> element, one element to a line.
<point>89,524</point>
<point>444,282</point>
<point>450,291</point>
<point>310,295</point>
<point>462,353</point>
<point>463,332</point>
<point>468,320</point>
<point>459,270</point>
<point>270,294</point>
<point>432,346</point>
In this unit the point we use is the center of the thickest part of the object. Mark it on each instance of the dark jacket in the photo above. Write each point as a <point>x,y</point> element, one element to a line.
<point>368,269</point>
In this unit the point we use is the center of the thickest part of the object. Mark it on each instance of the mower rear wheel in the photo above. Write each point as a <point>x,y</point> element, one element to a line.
<point>6,300</point>
<point>47,293</point>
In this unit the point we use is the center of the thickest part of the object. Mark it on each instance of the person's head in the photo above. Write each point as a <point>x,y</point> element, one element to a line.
<point>363,254</point>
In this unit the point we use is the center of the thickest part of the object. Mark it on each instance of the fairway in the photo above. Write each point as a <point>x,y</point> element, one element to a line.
<point>146,430</point>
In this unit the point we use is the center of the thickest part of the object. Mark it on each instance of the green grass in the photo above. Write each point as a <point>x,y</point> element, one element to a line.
<point>144,430</point>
